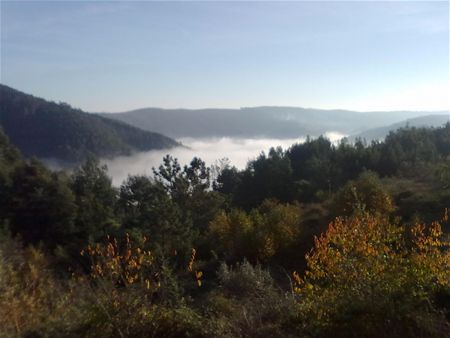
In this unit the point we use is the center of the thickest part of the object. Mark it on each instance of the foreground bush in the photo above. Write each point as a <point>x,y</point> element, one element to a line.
<point>248,303</point>
<point>126,294</point>
<point>30,297</point>
<point>367,277</point>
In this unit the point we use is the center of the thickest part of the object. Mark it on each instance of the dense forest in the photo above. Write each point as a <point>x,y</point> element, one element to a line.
<point>50,130</point>
<point>318,240</point>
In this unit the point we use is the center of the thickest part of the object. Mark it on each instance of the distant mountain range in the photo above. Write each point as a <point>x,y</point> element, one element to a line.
<point>276,122</point>
<point>422,121</point>
<point>50,130</point>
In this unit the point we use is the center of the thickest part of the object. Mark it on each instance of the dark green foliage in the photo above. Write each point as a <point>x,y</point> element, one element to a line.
<point>42,206</point>
<point>10,159</point>
<point>189,188</point>
<point>57,131</point>
<point>228,181</point>
<point>95,199</point>
<point>9,155</point>
<point>315,169</point>
<point>257,181</point>
<point>173,208</point>
<point>364,194</point>
<point>146,209</point>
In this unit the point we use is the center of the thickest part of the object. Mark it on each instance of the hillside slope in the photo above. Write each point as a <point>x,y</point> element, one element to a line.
<point>380,133</point>
<point>49,130</point>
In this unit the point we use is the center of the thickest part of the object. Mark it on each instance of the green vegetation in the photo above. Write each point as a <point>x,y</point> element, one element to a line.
<point>58,131</point>
<point>319,240</point>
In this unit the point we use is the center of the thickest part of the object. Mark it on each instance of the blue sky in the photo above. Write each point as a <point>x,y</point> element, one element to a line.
<point>116,56</point>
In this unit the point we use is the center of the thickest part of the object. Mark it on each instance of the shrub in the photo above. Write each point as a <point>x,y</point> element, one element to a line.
<point>249,304</point>
<point>366,193</point>
<point>30,296</point>
<point>367,277</point>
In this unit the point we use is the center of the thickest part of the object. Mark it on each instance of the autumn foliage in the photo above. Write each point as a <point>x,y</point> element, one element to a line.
<point>373,277</point>
<point>257,235</point>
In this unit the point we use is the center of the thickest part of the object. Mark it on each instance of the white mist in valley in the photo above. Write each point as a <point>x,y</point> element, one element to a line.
<point>237,151</point>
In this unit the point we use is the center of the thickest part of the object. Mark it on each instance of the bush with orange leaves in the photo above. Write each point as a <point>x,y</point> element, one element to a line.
<point>127,264</point>
<point>128,293</point>
<point>136,293</point>
<point>124,264</point>
<point>368,277</point>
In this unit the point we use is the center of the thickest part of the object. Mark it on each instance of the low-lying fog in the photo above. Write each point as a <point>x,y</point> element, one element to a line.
<point>237,151</point>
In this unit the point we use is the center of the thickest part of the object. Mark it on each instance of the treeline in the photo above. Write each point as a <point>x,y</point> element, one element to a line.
<point>314,170</point>
<point>198,251</point>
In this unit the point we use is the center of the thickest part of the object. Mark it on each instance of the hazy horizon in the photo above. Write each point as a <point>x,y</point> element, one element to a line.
<point>441,111</point>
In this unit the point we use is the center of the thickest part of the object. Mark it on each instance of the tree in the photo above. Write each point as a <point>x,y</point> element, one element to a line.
<point>147,209</point>
<point>42,206</point>
<point>95,199</point>
<point>363,194</point>
<point>10,159</point>
<point>259,235</point>
<point>267,177</point>
<point>189,188</point>
<point>312,162</point>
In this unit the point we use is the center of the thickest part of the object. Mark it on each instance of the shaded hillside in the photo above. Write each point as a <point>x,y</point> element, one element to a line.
<point>49,130</point>
<point>422,121</point>
<point>277,122</point>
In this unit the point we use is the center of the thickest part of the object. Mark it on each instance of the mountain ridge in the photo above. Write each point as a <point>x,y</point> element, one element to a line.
<point>46,129</point>
<point>262,121</point>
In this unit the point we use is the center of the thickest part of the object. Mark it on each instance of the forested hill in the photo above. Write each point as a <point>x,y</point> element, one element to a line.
<point>277,122</point>
<point>56,130</point>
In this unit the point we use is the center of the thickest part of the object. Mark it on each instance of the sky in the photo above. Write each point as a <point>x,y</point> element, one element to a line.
<point>118,56</point>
